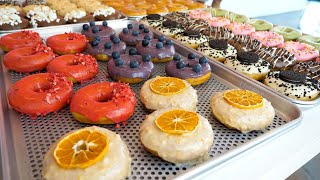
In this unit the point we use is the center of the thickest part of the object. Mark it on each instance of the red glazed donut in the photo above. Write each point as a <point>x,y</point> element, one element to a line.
<point>19,39</point>
<point>28,59</point>
<point>67,43</point>
<point>40,94</point>
<point>77,67</point>
<point>103,103</point>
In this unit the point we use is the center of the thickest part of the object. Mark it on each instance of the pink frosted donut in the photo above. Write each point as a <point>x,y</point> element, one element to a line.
<point>198,14</point>
<point>218,21</point>
<point>240,28</point>
<point>302,51</point>
<point>268,38</point>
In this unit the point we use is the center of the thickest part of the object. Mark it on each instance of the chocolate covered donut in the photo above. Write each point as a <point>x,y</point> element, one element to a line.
<point>309,68</point>
<point>133,34</point>
<point>218,33</point>
<point>218,49</point>
<point>92,30</point>
<point>243,42</point>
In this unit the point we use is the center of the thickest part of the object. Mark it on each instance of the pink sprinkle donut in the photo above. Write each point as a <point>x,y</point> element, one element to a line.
<point>268,38</point>
<point>240,28</point>
<point>218,21</point>
<point>198,14</point>
<point>302,51</point>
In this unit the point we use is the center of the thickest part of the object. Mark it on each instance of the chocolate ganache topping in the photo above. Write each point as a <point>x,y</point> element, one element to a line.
<point>218,44</point>
<point>242,42</point>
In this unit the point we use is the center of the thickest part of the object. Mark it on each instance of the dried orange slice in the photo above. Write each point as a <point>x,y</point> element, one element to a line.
<point>81,149</point>
<point>243,99</point>
<point>167,85</point>
<point>177,121</point>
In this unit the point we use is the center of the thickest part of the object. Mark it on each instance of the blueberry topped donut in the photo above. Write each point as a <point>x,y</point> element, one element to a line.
<point>249,64</point>
<point>309,68</point>
<point>160,50</point>
<point>132,35</point>
<point>130,68</point>
<point>293,84</point>
<point>152,20</point>
<point>92,30</point>
<point>102,49</point>
<point>218,49</point>
<point>170,28</point>
<point>192,70</point>
<point>191,38</point>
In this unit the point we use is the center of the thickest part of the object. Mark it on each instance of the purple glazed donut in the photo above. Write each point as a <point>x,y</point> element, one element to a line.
<point>160,50</point>
<point>91,30</point>
<point>130,68</point>
<point>194,71</point>
<point>132,35</point>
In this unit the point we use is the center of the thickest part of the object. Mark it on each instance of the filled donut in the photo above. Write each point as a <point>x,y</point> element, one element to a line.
<point>19,39</point>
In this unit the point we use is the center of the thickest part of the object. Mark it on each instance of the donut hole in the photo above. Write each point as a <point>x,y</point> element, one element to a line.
<point>104,97</point>
<point>44,87</point>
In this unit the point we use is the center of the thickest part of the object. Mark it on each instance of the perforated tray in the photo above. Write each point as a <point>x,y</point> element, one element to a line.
<point>24,141</point>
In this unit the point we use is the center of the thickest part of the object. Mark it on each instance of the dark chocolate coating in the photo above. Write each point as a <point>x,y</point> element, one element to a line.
<point>247,57</point>
<point>292,77</point>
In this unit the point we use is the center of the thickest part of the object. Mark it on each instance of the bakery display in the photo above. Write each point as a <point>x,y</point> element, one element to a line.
<point>133,34</point>
<point>19,39</point>
<point>67,43</point>
<point>92,30</point>
<point>218,49</point>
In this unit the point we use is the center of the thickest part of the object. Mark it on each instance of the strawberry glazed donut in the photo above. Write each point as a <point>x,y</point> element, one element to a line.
<point>67,43</point>
<point>240,28</point>
<point>199,14</point>
<point>19,39</point>
<point>103,103</point>
<point>28,59</point>
<point>268,38</point>
<point>76,67</point>
<point>40,94</point>
<point>218,21</point>
<point>302,51</point>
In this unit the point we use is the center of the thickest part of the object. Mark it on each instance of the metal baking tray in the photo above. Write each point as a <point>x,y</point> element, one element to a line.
<point>25,141</point>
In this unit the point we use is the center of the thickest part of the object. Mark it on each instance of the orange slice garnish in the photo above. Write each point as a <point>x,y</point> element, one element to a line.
<point>177,121</point>
<point>167,85</point>
<point>81,149</point>
<point>243,99</point>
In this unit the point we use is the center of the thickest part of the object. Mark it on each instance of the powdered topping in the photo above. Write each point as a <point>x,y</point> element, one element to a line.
<point>57,80</point>
<point>41,48</point>
<point>75,14</point>
<point>42,14</point>
<point>9,16</point>
<point>74,36</point>
<point>88,61</point>
<point>29,34</point>
<point>268,38</point>
<point>122,92</point>
<point>104,11</point>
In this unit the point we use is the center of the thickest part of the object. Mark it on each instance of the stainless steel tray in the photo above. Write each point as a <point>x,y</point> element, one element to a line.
<point>24,141</point>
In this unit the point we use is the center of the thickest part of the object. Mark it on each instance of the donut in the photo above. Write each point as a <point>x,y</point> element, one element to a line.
<point>191,38</point>
<point>67,43</point>
<point>169,28</point>
<point>293,84</point>
<point>218,33</point>
<point>287,32</point>
<point>40,94</point>
<point>260,25</point>
<point>193,71</point>
<point>13,19</point>
<point>240,28</point>
<point>177,94</point>
<point>246,43</point>
<point>106,13</point>
<point>195,5</point>
<point>309,68</point>
<point>43,16</point>
<point>19,39</point>
<point>302,51</point>
<point>78,16</point>
<point>312,40</point>
<point>216,12</point>
<point>198,25</point>
<point>268,38</point>
<point>133,34</point>
<point>239,18</point>
<point>102,49</point>
<point>218,21</point>
<point>199,14</point>
<point>160,50</point>
<point>176,7</point>
<point>250,64</point>
<point>28,59</point>
<point>152,20</point>
<point>242,110</point>
<point>134,11</point>
<point>157,10</point>
<point>103,103</point>
<point>186,141</point>
<point>112,162</point>
<point>218,49</point>
<point>92,30</point>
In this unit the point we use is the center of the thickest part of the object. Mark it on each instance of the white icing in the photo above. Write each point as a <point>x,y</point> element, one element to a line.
<point>256,68</point>
<point>75,14</point>
<point>104,11</point>
<point>190,40</point>
<point>214,53</point>
<point>9,16</point>
<point>42,13</point>
<point>169,31</point>
<point>152,23</point>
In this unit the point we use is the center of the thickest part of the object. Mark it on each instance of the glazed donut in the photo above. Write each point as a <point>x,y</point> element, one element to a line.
<point>199,14</point>
<point>218,21</point>
<point>132,35</point>
<point>216,12</point>
<point>260,25</point>
<point>160,50</point>
<point>239,18</point>
<point>287,33</point>
<point>134,11</point>
<point>268,38</point>
<point>312,40</point>
<point>19,39</point>
<point>195,5</point>
<point>76,67</point>
<point>169,28</point>
<point>158,10</point>
<point>176,7</point>
<point>105,13</point>
<point>193,71</point>
<point>191,38</point>
<point>13,19</point>
<point>92,30</point>
<point>67,43</point>
<point>309,68</point>
<point>302,51</point>
<point>152,20</point>
<point>28,59</point>
<point>240,28</point>
<point>103,103</point>
<point>40,94</point>
<point>218,49</point>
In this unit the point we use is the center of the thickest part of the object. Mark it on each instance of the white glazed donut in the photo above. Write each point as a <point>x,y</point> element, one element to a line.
<point>191,38</point>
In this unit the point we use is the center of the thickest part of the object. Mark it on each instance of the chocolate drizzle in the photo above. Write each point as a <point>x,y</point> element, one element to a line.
<point>218,33</point>
<point>218,44</point>
<point>310,68</point>
<point>292,77</point>
<point>242,42</point>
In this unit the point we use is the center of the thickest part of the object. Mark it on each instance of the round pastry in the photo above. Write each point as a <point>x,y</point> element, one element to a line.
<point>218,21</point>
<point>268,38</point>
<point>242,110</point>
<point>28,59</point>
<point>218,33</point>
<point>239,18</point>
<point>199,14</point>
<point>78,16</point>
<point>195,5</point>
<point>312,40</point>
<point>168,92</point>
<point>152,20</point>
<point>216,12</point>
<point>92,30</point>
<point>246,43</point>
<point>294,85</point>
<point>19,39</point>
<point>249,64</point>
<point>40,94</point>
<point>134,11</point>
<point>132,35</point>
<point>130,68</point>
<point>103,103</point>
<point>180,18</point>
<point>191,38</point>
<point>287,33</point>
<point>218,49</point>
<point>43,16</point>
<point>104,13</point>
<point>240,28</point>
<point>102,49</point>
<point>160,50</point>
<point>158,10</point>
<point>67,43</point>
<point>169,28</point>
<point>13,19</point>
<point>176,7</point>
<point>107,156</point>
<point>309,68</point>
<point>302,51</point>
<point>178,136</point>
<point>76,67</point>
<point>260,25</point>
